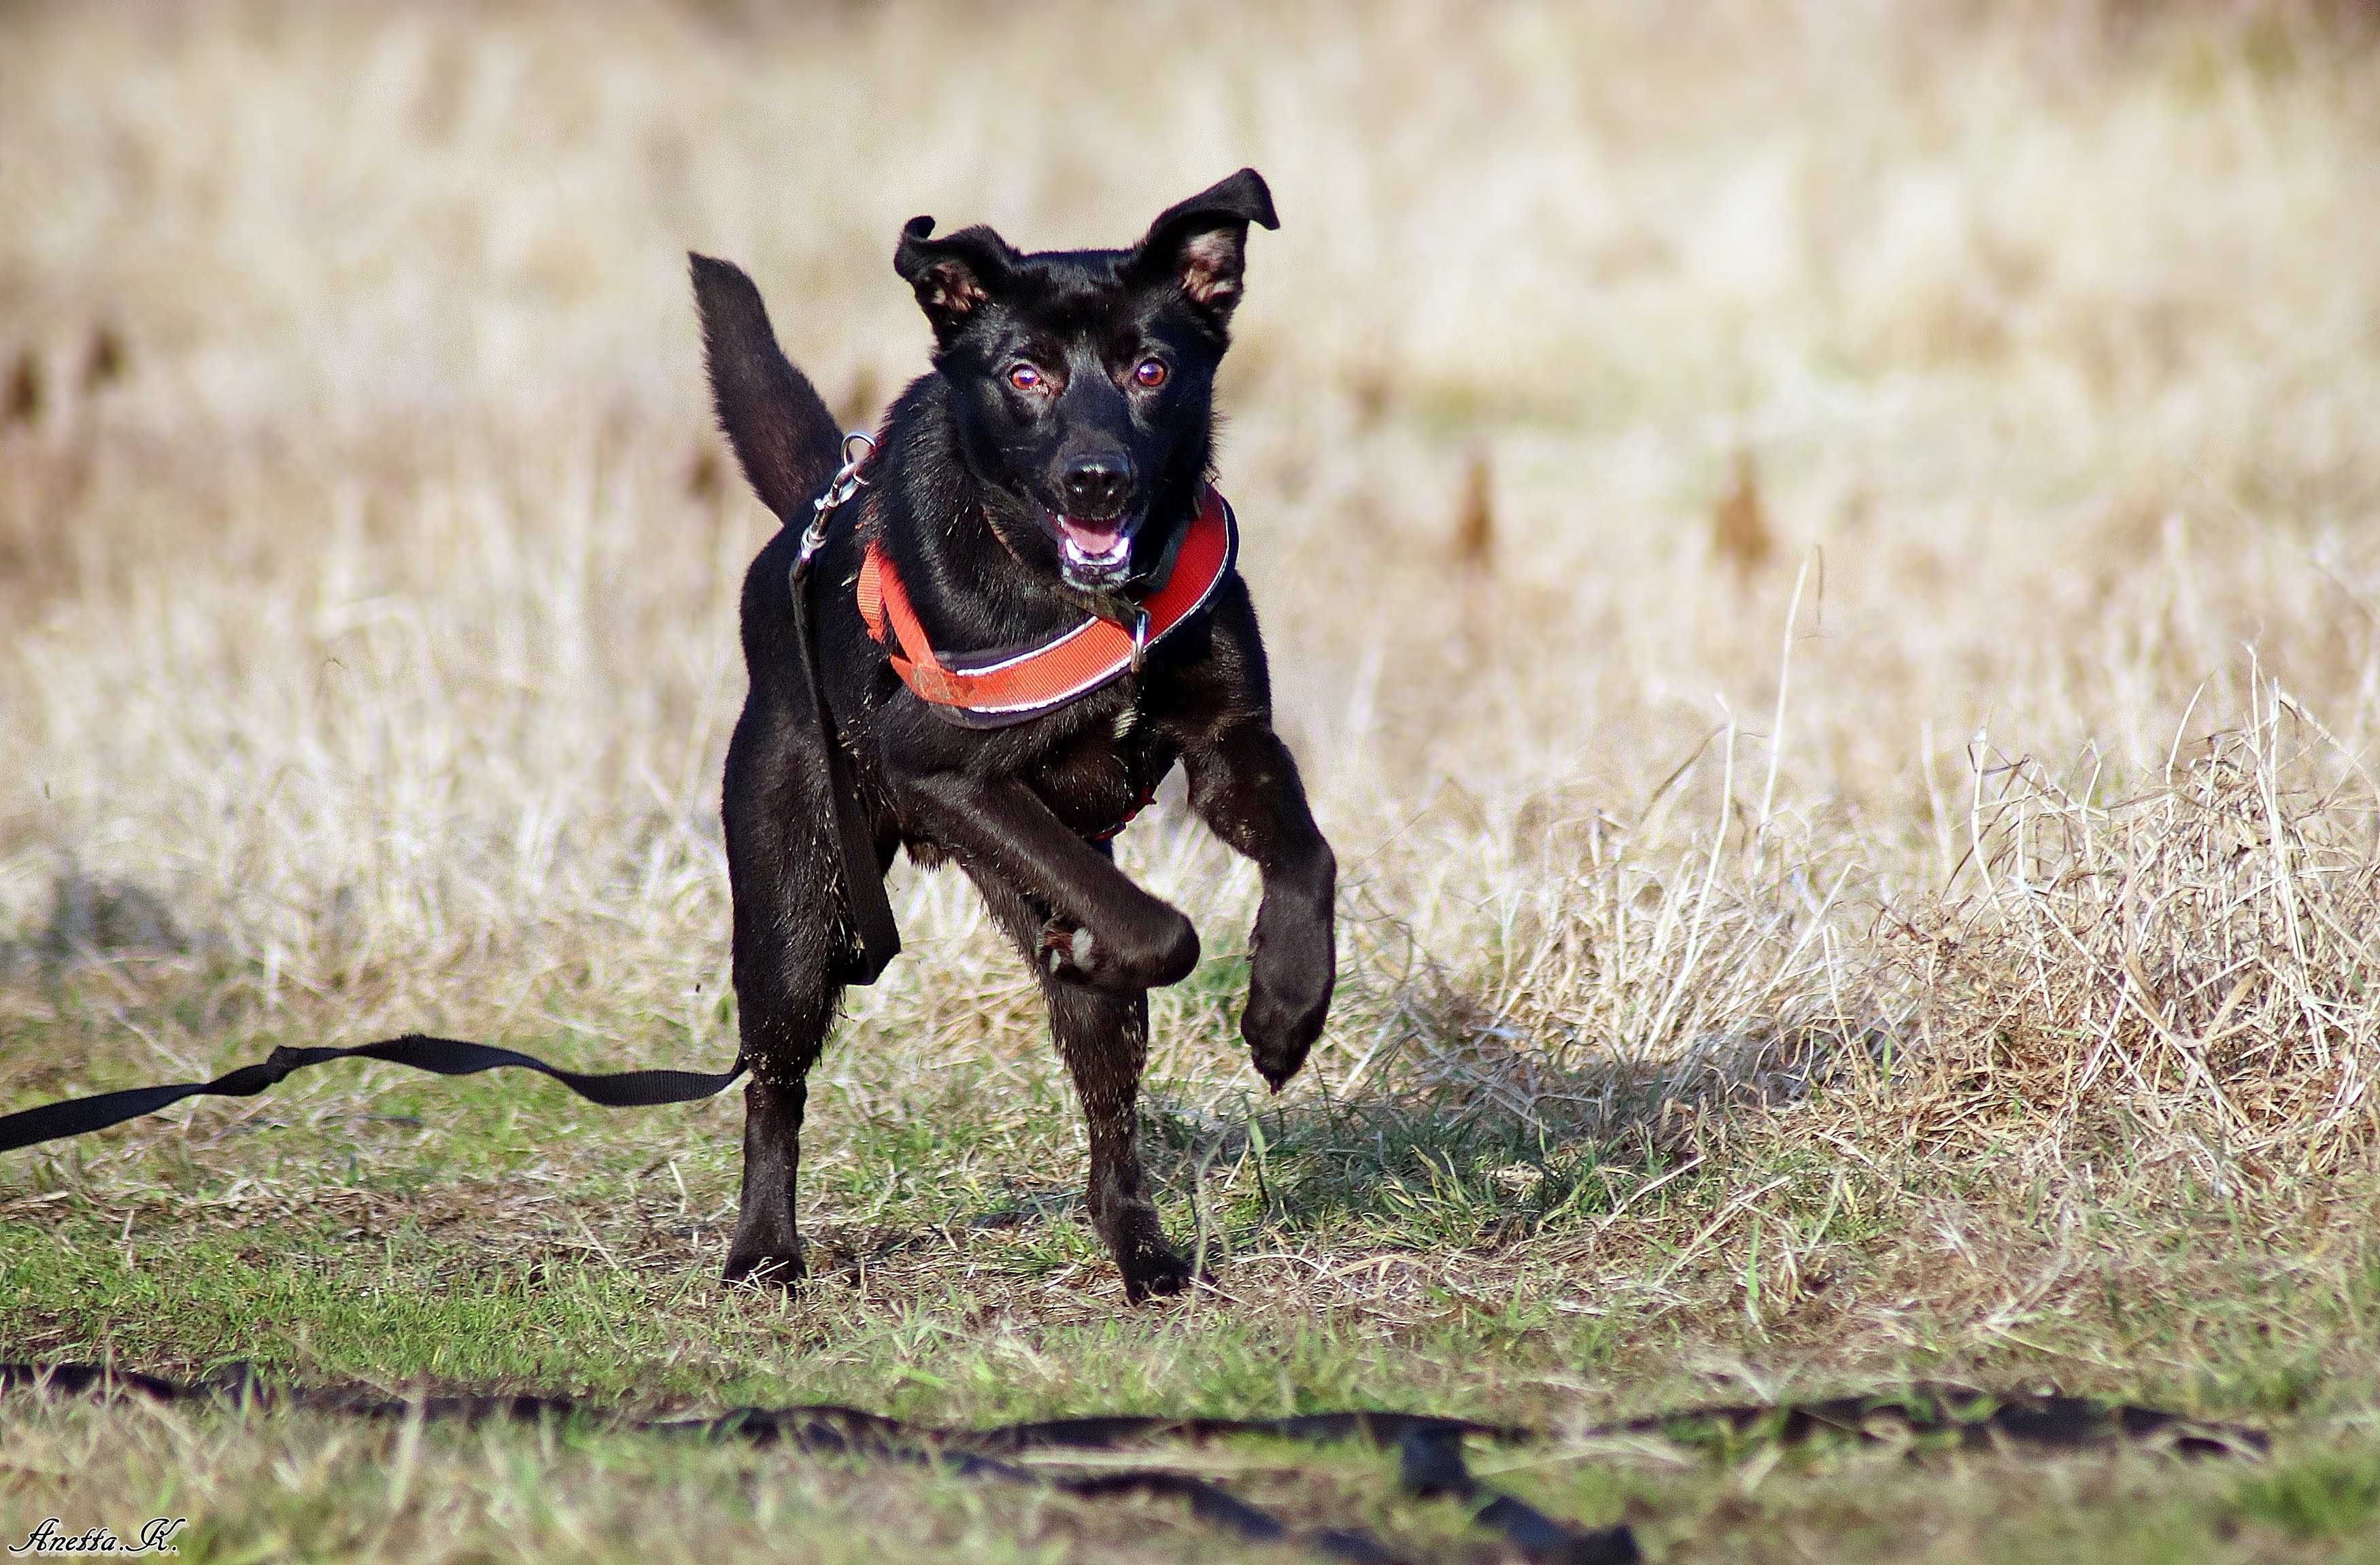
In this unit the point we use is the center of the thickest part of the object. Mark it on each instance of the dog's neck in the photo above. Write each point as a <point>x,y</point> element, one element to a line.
<point>948,534</point>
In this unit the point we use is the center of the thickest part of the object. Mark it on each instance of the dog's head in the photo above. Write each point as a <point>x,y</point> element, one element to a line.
<point>1083,379</point>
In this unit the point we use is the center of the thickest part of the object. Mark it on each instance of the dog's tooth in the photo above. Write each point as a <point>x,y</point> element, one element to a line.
<point>1081,948</point>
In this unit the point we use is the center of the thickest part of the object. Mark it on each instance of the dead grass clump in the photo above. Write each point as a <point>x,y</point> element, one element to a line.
<point>90,917</point>
<point>2182,974</point>
<point>1740,522</point>
<point>20,402</point>
<point>105,361</point>
<point>1637,985</point>
<point>1474,518</point>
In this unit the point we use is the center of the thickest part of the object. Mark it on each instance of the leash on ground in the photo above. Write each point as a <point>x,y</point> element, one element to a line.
<point>441,1056</point>
<point>1428,1448</point>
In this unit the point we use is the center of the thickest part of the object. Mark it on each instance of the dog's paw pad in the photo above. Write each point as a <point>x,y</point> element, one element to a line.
<point>1066,948</point>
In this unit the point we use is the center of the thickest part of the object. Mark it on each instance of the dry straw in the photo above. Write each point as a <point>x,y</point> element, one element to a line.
<point>374,611</point>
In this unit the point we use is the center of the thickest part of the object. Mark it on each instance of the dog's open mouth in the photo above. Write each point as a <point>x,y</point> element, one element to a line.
<point>1095,552</point>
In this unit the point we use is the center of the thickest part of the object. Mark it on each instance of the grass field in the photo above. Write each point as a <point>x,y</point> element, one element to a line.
<point>1824,568</point>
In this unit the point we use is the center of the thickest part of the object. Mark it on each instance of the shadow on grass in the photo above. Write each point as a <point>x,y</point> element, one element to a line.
<point>1413,1169</point>
<point>1473,1161</point>
<point>1462,1126</point>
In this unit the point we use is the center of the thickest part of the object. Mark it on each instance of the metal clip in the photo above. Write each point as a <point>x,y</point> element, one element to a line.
<point>1139,636</point>
<point>848,480</point>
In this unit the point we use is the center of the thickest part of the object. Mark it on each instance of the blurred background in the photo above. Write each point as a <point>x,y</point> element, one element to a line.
<point>1689,454</point>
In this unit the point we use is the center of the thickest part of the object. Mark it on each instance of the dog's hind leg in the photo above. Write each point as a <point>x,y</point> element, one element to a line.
<point>783,867</point>
<point>1103,1038</point>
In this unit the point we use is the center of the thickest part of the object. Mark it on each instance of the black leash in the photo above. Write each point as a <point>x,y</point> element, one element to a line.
<point>1429,1451</point>
<point>443,1056</point>
<point>875,937</point>
<point>1431,1462</point>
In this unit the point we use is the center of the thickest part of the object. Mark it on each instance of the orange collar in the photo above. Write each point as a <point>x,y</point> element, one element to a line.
<point>994,689</point>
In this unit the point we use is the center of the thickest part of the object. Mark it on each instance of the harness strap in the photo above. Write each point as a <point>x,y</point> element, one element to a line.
<point>875,937</point>
<point>994,689</point>
<point>1147,798</point>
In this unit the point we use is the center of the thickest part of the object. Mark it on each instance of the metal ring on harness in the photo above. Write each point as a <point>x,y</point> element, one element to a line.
<point>1139,636</point>
<point>848,480</point>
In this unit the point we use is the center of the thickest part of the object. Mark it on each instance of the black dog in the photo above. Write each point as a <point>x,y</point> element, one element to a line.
<point>1045,487</point>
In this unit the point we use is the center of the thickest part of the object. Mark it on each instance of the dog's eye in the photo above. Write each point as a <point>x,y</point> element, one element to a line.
<point>1150,372</point>
<point>1025,377</point>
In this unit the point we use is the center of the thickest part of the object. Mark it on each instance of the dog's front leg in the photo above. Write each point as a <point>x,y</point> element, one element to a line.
<point>1104,931</point>
<point>1104,1040</point>
<point>1244,785</point>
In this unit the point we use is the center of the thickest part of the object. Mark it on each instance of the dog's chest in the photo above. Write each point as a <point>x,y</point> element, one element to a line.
<point>1106,769</point>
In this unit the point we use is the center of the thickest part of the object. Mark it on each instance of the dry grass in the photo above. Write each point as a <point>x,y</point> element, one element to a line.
<point>1822,570</point>
<point>2185,970</point>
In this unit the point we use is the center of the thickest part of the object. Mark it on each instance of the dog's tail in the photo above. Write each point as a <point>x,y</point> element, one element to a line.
<point>782,433</point>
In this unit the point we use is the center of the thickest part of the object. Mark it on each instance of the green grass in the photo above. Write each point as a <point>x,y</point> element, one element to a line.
<point>363,1224</point>
<point>2322,1494</point>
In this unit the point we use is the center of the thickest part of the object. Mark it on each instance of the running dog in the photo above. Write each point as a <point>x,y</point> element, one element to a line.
<point>1024,611</point>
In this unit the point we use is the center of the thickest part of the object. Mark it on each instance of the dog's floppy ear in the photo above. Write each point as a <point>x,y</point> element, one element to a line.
<point>783,436</point>
<point>1202,242</point>
<point>953,275</point>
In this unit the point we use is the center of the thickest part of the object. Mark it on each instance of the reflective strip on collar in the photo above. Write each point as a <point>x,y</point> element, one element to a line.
<point>1010,687</point>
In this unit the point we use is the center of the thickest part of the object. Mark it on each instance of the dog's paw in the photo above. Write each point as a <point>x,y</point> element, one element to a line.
<point>1068,950</point>
<point>1074,955</point>
<point>1292,970</point>
<point>1276,1062</point>
<point>1280,1030</point>
<point>1151,1268</point>
<point>760,1267</point>
<point>1163,1280</point>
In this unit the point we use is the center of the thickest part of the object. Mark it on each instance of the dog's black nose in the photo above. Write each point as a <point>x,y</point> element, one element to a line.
<point>1097,485</point>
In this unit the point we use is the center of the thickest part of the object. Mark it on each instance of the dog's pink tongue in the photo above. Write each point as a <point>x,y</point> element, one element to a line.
<point>1091,538</point>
